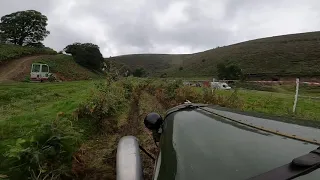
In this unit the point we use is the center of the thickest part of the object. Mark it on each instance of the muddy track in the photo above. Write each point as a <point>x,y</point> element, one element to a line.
<point>17,69</point>
<point>133,126</point>
<point>96,159</point>
<point>136,128</point>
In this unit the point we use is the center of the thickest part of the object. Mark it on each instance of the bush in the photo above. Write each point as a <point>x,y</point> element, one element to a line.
<point>231,72</point>
<point>47,154</point>
<point>140,72</point>
<point>26,79</point>
<point>86,54</point>
<point>172,93</point>
<point>107,100</point>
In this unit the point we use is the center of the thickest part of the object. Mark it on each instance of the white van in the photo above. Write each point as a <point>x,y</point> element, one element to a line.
<point>220,85</point>
<point>39,72</point>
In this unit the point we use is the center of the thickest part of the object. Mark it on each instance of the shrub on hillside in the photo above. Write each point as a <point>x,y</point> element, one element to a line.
<point>86,54</point>
<point>140,72</point>
<point>231,72</point>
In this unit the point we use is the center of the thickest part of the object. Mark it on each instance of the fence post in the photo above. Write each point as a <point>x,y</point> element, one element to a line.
<point>296,96</point>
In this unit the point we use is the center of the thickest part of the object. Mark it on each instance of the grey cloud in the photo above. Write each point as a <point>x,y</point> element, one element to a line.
<point>167,26</point>
<point>9,6</point>
<point>60,38</point>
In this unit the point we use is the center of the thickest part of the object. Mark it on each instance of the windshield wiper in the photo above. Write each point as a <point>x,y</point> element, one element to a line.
<point>298,167</point>
<point>185,106</point>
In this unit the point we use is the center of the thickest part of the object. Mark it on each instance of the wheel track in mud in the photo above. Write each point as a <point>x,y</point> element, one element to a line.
<point>134,126</point>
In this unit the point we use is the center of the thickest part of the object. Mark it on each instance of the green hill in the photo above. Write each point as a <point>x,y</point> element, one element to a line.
<point>10,51</point>
<point>287,55</point>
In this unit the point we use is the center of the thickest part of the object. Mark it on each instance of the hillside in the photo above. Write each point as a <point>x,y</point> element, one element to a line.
<point>63,66</point>
<point>66,68</point>
<point>155,64</point>
<point>287,55</point>
<point>10,51</point>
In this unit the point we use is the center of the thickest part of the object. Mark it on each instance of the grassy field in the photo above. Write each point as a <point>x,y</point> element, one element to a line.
<point>278,104</point>
<point>277,100</point>
<point>287,55</point>
<point>8,52</point>
<point>25,106</point>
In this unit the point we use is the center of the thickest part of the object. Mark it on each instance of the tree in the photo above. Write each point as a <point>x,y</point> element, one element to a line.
<point>140,72</point>
<point>221,71</point>
<point>2,40</point>
<point>86,54</point>
<point>24,27</point>
<point>231,72</point>
<point>234,72</point>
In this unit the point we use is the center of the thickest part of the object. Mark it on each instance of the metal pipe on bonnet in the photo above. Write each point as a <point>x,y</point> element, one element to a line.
<point>129,166</point>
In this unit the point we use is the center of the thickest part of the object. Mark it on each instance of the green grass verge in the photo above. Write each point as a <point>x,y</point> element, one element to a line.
<point>25,106</point>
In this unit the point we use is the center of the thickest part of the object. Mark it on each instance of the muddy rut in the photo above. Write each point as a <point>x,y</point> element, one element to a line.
<point>96,158</point>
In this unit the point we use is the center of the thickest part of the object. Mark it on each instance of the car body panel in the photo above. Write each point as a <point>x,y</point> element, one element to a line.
<point>196,144</point>
<point>310,133</point>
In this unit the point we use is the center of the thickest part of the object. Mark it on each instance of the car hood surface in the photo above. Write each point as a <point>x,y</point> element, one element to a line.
<point>196,144</point>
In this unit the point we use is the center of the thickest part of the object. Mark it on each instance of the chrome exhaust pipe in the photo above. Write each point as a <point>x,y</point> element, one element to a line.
<point>129,165</point>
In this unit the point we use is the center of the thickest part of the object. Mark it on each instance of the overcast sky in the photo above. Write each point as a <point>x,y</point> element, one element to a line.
<point>167,26</point>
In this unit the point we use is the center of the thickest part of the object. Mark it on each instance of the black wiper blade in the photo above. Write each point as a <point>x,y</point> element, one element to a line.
<point>298,167</point>
<point>185,106</point>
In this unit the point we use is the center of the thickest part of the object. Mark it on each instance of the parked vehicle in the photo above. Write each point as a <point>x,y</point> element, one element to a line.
<point>220,85</point>
<point>198,141</point>
<point>186,83</point>
<point>39,72</point>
